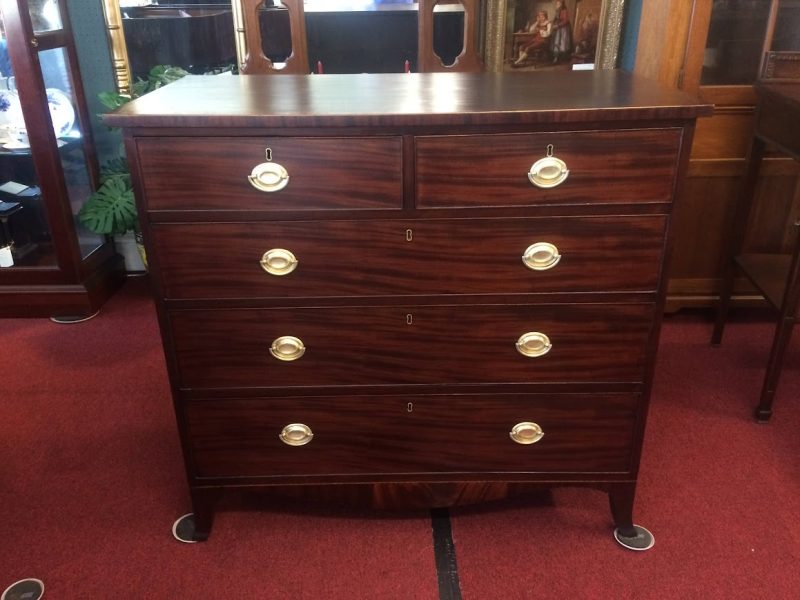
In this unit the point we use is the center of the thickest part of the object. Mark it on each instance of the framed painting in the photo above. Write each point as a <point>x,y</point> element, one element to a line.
<point>531,35</point>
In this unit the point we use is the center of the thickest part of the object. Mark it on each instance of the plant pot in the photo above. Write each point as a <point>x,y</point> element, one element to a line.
<point>132,252</point>
<point>140,248</point>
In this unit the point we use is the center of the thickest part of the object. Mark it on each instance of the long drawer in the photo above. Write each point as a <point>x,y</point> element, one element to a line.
<point>410,434</point>
<point>324,173</point>
<point>397,257</point>
<point>605,167</point>
<point>411,345</point>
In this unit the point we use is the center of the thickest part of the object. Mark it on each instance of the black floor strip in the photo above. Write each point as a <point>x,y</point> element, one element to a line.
<point>445,554</point>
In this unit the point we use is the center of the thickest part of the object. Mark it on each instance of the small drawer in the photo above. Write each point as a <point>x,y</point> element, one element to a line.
<point>604,167</point>
<point>398,257</point>
<point>323,173</point>
<point>380,345</point>
<point>318,436</point>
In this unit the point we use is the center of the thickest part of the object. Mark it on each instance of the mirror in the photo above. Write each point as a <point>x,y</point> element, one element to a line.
<point>197,36</point>
<point>261,36</point>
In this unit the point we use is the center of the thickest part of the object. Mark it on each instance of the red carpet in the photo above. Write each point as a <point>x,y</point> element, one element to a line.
<point>91,481</point>
<point>720,492</point>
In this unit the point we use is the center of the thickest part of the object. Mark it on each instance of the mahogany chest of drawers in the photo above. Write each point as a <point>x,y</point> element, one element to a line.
<point>409,278</point>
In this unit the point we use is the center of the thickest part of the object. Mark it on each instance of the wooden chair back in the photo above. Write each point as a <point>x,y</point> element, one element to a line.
<point>255,62</point>
<point>469,60</point>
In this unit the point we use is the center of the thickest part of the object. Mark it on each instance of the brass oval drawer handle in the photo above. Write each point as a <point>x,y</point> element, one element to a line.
<point>269,177</point>
<point>287,348</point>
<point>296,434</point>
<point>526,433</point>
<point>548,172</point>
<point>278,261</point>
<point>541,256</point>
<point>533,344</point>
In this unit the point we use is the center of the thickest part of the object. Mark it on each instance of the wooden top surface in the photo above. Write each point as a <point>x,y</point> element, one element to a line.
<point>401,99</point>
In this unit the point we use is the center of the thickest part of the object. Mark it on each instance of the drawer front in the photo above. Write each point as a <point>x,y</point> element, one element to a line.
<point>492,170</point>
<point>410,345</point>
<point>439,256</point>
<point>324,173</point>
<point>411,434</point>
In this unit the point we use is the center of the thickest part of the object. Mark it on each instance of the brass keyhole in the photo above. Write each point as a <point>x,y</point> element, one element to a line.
<point>409,235</point>
<point>409,319</point>
<point>410,407</point>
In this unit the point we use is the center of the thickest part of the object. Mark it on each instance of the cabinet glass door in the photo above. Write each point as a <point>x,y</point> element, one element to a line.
<point>69,131</point>
<point>25,236</point>
<point>735,43</point>
<point>45,15</point>
<point>41,129</point>
<point>787,27</point>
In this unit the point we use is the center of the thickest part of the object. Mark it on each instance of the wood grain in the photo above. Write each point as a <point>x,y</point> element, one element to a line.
<point>332,173</point>
<point>405,100</point>
<point>661,48</point>
<point>442,434</point>
<point>492,170</point>
<point>443,344</point>
<point>444,256</point>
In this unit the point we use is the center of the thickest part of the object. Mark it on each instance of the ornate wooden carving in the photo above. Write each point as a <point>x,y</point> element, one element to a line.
<point>469,59</point>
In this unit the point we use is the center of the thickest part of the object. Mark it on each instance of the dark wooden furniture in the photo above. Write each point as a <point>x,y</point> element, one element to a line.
<point>259,42</point>
<point>435,36</point>
<point>59,268</point>
<point>713,50</point>
<point>410,298</point>
<point>468,60</point>
<point>198,38</point>
<point>775,275</point>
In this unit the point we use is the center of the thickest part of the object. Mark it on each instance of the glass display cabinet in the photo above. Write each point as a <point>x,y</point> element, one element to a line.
<point>49,264</point>
<point>718,49</point>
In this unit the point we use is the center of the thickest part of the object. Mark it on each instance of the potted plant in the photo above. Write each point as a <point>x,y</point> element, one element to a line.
<point>111,209</point>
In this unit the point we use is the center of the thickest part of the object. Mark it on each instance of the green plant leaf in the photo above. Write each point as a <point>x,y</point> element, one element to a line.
<point>111,209</point>
<point>140,88</point>
<point>114,167</point>
<point>113,100</point>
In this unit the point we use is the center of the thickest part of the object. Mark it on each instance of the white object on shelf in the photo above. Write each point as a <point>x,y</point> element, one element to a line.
<point>10,109</point>
<point>61,111</point>
<point>12,187</point>
<point>6,259</point>
<point>126,246</point>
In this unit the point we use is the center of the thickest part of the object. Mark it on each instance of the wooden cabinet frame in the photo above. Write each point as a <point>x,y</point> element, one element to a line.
<point>671,48</point>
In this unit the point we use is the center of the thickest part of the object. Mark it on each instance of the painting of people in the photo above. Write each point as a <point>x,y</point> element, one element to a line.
<point>551,34</point>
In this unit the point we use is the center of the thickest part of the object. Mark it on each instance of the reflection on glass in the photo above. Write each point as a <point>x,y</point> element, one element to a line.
<point>44,15</point>
<point>25,239</point>
<point>198,37</point>
<point>735,42</point>
<point>787,27</point>
<point>61,102</point>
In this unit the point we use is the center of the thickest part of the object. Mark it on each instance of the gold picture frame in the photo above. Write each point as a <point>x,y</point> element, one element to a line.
<point>117,46</point>
<point>505,20</point>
